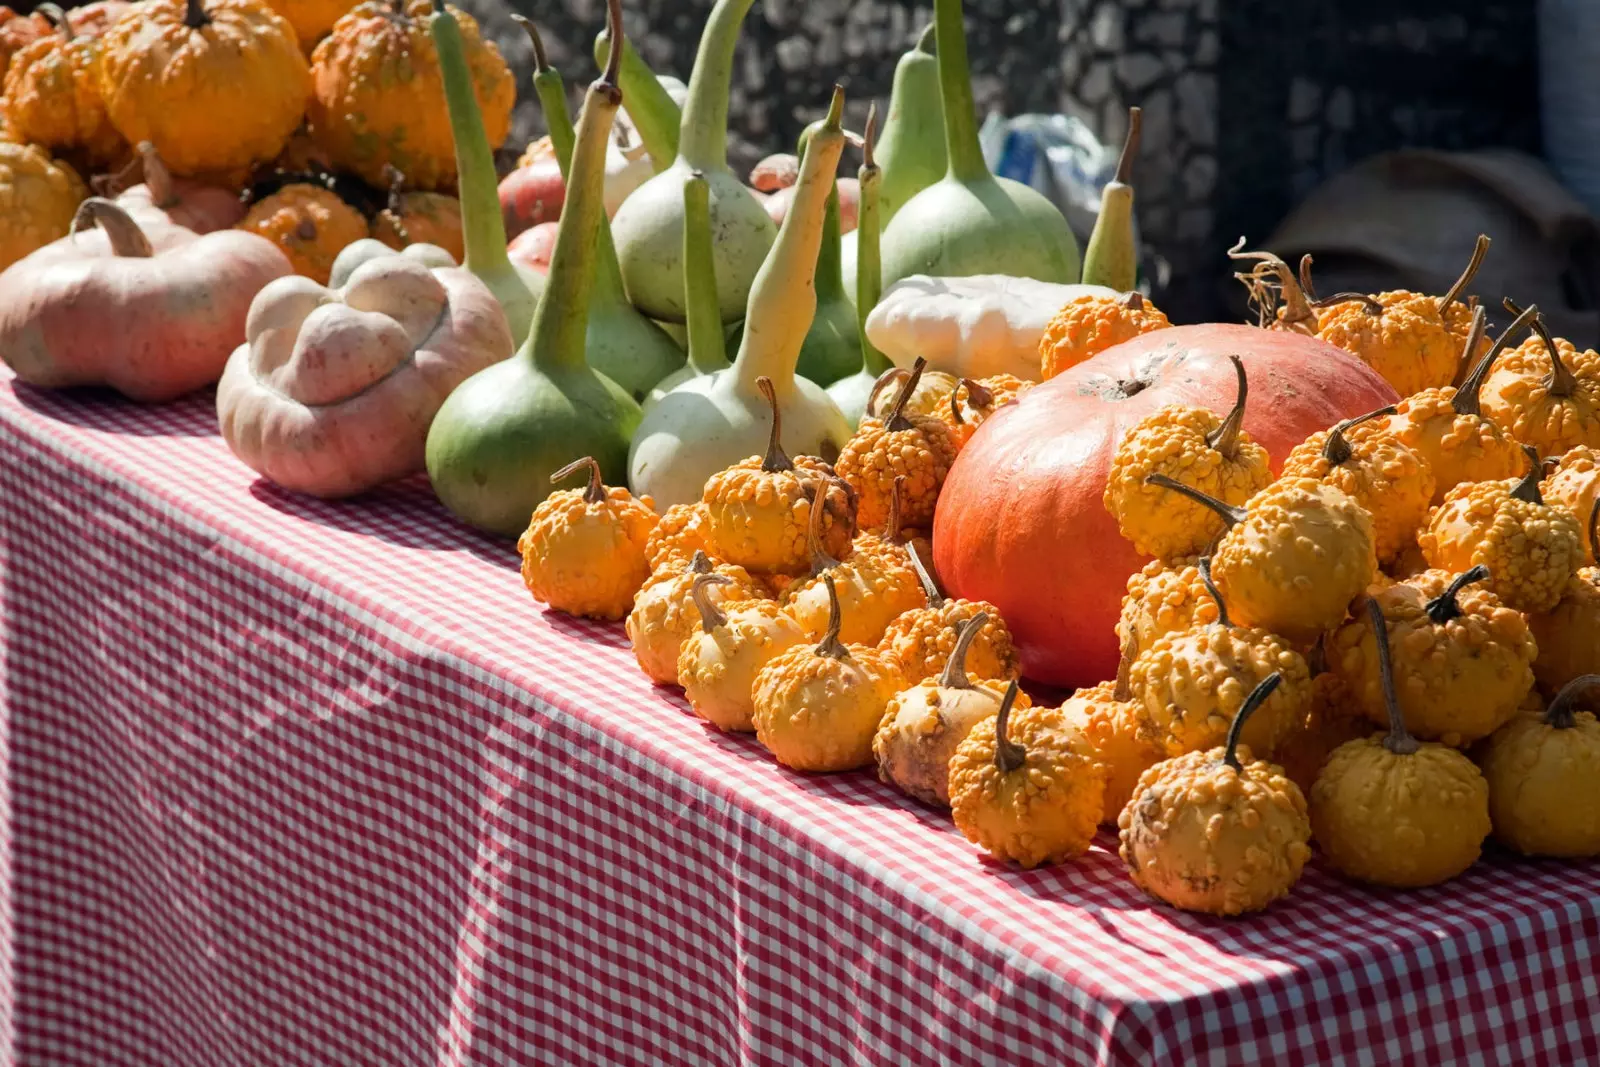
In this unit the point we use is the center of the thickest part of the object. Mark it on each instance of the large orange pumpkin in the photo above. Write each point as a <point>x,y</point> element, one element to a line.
<point>1020,522</point>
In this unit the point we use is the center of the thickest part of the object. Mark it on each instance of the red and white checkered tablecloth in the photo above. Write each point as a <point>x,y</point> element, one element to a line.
<point>294,783</point>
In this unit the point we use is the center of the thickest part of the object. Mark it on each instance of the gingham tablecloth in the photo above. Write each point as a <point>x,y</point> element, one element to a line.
<point>294,783</point>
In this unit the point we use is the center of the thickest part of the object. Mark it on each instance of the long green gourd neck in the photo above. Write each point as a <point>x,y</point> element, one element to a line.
<point>955,85</point>
<point>783,300</point>
<point>869,265</point>
<point>830,266</point>
<point>483,229</point>
<point>561,321</point>
<point>708,348</point>
<point>703,135</point>
<point>654,113</point>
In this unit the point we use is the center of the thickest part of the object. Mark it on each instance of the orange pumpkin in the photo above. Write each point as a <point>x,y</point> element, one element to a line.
<point>52,94</point>
<point>419,218</point>
<point>309,224</point>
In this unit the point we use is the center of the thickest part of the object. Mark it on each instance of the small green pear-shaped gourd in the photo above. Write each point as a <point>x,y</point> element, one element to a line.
<point>971,222</point>
<point>704,334</point>
<point>832,348</point>
<point>1112,257</point>
<point>649,225</point>
<point>911,151</point>
<point>622,344</point>
<point>483,227</point>
<point>852,393</point>
<point>505,430</point>
<point>714,421</point>
<point>655,114</point>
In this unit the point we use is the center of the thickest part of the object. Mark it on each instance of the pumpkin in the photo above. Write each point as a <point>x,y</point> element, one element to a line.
<point>1545,393</point>
<point>1216,831</point>
<point>378,97</point>
<point>974,400</point>
<point>1543,770</point>
<point>1020,521</point>
<point>1568,635</point>
<point>1119,736</point>
<point>1088,325</point>
<point>52,97</point>
<point>302,155</point>
<point>1192,445</point>
<point>1463,660</point>
<point>333,390</point>
<point>1395,811</point>
<point>38,198</point>
<point>1024,787</point>
<point>919,448</point>
<point>17,31</point>
<point>818,708</point>
<point>718,663</point>
<point>664,613</point>
<point>216,85</point>
<point>1332,720</point>
<point>683,530</point>
<point>1161,600</point>
<point>893,541</point>
<point>311,19</point>
<point>420,217</point>
<point>583,550</point>
<point>1574,483</point>
<point>153,316</point>
<point>309,223</point>
<point>923,639</point>
<point>161,198</point>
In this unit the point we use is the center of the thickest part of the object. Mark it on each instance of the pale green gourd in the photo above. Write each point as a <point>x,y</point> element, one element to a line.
<point>852,393</point>
<point>911,152</point>
<point>714,421</point>
<point>970,222</point>
<point>649,225</point>
<point>504,431</point>
<point>622,344</point>
<point>483,228</point>
<point>832,348</point>
<point>1112,257</point>
<point>708,348</point>
<point>655,114</point>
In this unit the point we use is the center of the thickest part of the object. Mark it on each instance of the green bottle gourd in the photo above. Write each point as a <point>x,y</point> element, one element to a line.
<point>483,228</point>
<point>622,344</point>
<point>708,347</point>
<point>832,348</point>
<point>971,222</point>
<point>504,431</point>
<point>649,225</point>
<point>655,114</point>
<point>852,393</point>
<point>1112,256</point>
<point>714,421</point>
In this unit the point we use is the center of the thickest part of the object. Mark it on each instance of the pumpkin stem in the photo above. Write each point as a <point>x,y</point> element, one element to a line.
<point>1479,250</point>
<point>1211,590</point>
<point>1527,490</point>
<point>157,178</point>
<point>776,459</point>
<point>1594,531</point>
<point>897,415</point>
<point>1468,397</point>
<point>194,15</point>
<point>1560,381</point>
<point>1560,714</point>
<point>58,19</point>
<point>892,530</point>
<point>821,561</point>
<point>979,394</point>
<point>1305,277</point>
<point>594,492</point>
<point>1122,691</point>
<point>1442,608</point>
<point>1008,755</point>
<point>1317,658</point>
<point>1337,450</point>
<point>831,646</point>
<point>930,588</point>
<point>700,563</point>
<point>126,238</point>
<point>893,374</point>
<point>1297,311</point>
<point>1372,307</point>
<point>1258,696</point>
<point>1399,741</point>
<point>1134,301</point>
<point>955,668</point>
<point>1225,438</point>
<point>1231,515</point>
<point>306,230</point>
<point>711,616</point>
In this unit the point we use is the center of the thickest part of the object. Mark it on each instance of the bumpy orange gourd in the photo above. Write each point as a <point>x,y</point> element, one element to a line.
<point>17,31</point>
<point>1543,771</point>
<point>1574,483</point>
<point>718,663</point>
<point>420,217</point>
<point>1545,393</point>
<point>1119,735</point>
<point>583,550</point>
<point>38,198</point>
<point>1530,548</point>
<point>1025,787</point>
<point>378,98</point>
<point>919,448</point>
<point>1161,600</point>
<point>1569,633</point>
<point>1191,684</point>
<point>1293,558</point>
<point>216,85</point>
<point>818,708</point>
<point>664,614</point>
<point>893,539</point>
<point>51,95</point>
<point>1193,446</point>
<point>1395,811</point>
<point>758,511</point>
<point>683,530</point>
<point>1375,469</point>
<point>1332,720</point>
<point>1088,325</point>
<point>310,224</point>
<point>923,724</point>
<point>921,640</point>
<point>1447,427</point>
<point>1216,831</point>
<point>311,19</point>
<point>974,400</point>
<point>1462,659</point>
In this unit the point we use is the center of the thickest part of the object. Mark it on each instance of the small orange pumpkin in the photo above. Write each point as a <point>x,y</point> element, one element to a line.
<point>310,224</point>
<point>419,217</point>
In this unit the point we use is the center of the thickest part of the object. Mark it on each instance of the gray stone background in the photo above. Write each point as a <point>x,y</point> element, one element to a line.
<point>1248,104</point>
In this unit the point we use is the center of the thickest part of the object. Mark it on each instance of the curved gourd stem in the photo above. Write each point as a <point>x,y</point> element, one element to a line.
<point>595,491</point>
<point>1444,607</point>
<point>58,19</point>
<point>869,258</point>
<point>1369,303</point>
<point>1468,399</point>
<point>703,132</point>
<point>708,346</point>
<point>699,563</point>
<point>1399,741</point>
<point>1305,277</point>
<point>1008,755</point>
<point>930,588</point>
<point>776,458</point>
<point>656,116</point>
<point>126,238</point>
<point>1225,438</point>
<point>897,415</point>
<point>1297,309</point>
<point>1479,250</point>
<point>711,616</point>
<point>954,675</point>
<point>897,493</point>
<point>1560,381</point>
<point>821,560</point>
<point>1258,696</point>
<point>1560,714</point>
<point>981,395</point>
<point>1134,301</point>
<point>955,90</point>
<point>1527,490</point>
<point>1336,450</point>
<point>1594,532</point>
<point>194,15</point>
<point>893,374</point>
<point>831,646</point>
<point>1214,593</point>
<point>1229,514</point>
<point>1122,690</point>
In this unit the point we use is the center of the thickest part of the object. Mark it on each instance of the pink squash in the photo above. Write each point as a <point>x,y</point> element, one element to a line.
<point>193,205</point>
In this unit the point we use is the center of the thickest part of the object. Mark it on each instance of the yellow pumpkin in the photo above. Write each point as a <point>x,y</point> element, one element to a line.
<point>919,448</point>
<point>1569,633</point>
<point>52,97</point>
<point>1546,392</point>
<point>311,19</point>
<point>682,531</point>
<point>718,663</point>
<point>38,198</point>
<point>922,639</point>
<point>1088,325</point>
<point>1574,483</point>
<point>1161,600</point>
<point>1119,735</point>
<point>309,223</point>
<point>420,217</point>
<point>664,615</point>
<point>1543,770</point>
